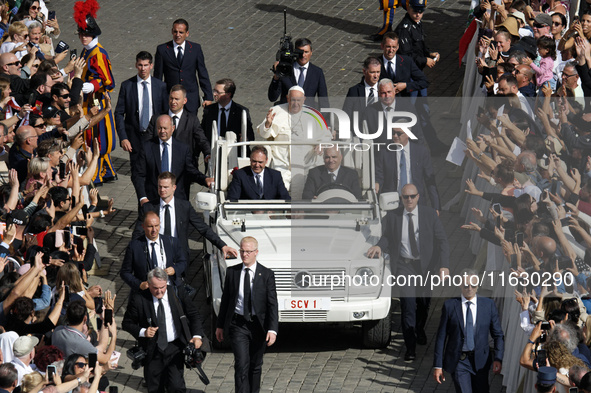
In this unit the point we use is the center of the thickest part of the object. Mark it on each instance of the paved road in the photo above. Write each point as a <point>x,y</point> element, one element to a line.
<point>239,40</point>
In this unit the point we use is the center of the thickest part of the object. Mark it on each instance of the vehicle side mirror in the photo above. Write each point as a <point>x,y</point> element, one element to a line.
<point>389,201</point>
<point>206,201</point>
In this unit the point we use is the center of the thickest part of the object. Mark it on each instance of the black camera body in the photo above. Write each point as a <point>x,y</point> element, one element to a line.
<point>137,356</point>
<point>193,356</point>
<point>286,54</point>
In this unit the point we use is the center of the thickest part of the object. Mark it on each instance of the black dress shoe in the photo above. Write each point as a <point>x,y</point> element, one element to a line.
<point>421,338</point>
<point>409,356</point>
<point>376,37</point>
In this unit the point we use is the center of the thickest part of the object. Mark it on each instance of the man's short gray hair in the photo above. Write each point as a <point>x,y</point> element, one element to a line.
<point>158,273</point>
<point>384,82</point>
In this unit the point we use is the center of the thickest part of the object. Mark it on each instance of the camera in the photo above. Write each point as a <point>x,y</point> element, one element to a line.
<point>193,356</point>
<point>286,54</point>
<point>137,356</point>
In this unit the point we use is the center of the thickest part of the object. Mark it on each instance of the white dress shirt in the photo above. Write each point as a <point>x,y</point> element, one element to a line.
<point>296,70</point>
<point>175,46</point>
<point>473,309</point>
<point>140,95</point>
<point>172,211</point>
<point>178,115</point>
<point>405,250</point>
<point>169,147</point>
<point>375,91</point>
<point>386,64</point>
<point>398,163</point>
<point>227,112</point>
<point>239,309</point>
<point>160,254</point>
<point>171,333</point>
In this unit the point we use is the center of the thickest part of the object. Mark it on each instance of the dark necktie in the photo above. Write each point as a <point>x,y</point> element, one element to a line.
<point>301,77</point>
<point>390,70</point>
<point>259,186</point>
<point>371,98</point>
<point>167,224</point>
<point>162,336</point>
<point>469,340</point>
<point>175,120</point>
<point>246,286</point>
<point>223,121</point>
<point>403,172</point>
<point>154,256</point>
<point>164,165</point>
<point>179,55</point>
<point>145,120</point>
<point>333,177</point>
<point>414,249</point>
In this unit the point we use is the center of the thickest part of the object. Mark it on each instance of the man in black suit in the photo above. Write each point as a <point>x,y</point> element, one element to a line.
<point>411,163</point>
<point>462,342</point>
<point>304,74</point>
<point>187,128</point>
<point>417,243</point>
<point>175,216</point>
<point>165,154</point>
<point>402,70</point>
<point>140,98</point>
<point>365,93</point>
<point>150,251</point>
<point>249,312</point>
<point>178,61</point>
<point>153,317</point>
<point>388,105</point>
<point>257,181</point>
<point>223,94</point>
<point>331,173</point>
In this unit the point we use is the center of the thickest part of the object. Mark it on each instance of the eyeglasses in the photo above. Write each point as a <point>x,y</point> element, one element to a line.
<point>469,286</point>
<point>556,23</point>
<point>80,364</point>
<point>246,252</point>
<point>567,75</point>
<point>539,25</point>
<point>397,133</point>
<point>13,64</point>
<point>411,196</point>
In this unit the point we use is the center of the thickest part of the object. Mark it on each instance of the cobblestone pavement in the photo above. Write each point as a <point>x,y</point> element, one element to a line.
<point>239,40</point>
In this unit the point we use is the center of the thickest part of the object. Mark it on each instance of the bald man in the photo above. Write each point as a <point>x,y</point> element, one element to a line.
<point>24,148</point>
<point>415,238</point>
<point>11,67</point>
<point>157,157</point>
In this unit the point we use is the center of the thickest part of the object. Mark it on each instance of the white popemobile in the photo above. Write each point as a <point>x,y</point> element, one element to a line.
<point>317,249</point>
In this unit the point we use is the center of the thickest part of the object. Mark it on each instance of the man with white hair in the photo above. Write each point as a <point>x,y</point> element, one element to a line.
<point>291,123</point>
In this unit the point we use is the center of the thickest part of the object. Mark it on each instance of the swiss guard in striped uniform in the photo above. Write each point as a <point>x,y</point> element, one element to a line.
<point>98,83</point>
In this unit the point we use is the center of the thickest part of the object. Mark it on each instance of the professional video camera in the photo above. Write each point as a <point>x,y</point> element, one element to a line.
<point>137,356</point>
<point>286,54</point>
<point>193,359</point>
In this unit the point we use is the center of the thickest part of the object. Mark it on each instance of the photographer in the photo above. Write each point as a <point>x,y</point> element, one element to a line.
<point>302,73</point>
<point>162,333</point>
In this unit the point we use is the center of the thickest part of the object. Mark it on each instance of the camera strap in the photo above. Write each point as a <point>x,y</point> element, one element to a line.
<point>183,318</point>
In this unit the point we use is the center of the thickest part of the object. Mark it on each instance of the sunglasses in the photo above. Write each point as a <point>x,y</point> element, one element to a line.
<point>64,96</point>
<point>469,286</point>
<point>411,196</point>
<point>34,8</point>
<point>81,364</point>
<point>13,64</point>
<point>398,133</point>
<point>539,25</point>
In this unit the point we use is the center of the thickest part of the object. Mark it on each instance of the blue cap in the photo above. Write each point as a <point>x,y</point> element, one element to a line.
<point>547,375</point>
<point>417,5</point>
